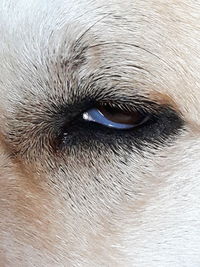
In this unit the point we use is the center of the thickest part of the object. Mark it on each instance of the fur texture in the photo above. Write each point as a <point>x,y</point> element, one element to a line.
<point>96,203</point>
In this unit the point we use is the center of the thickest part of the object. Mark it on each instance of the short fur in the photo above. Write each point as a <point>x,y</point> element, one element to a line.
<point>98,205</point>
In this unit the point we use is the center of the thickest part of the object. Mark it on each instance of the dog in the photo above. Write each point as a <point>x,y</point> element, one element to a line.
<point>99,133</point>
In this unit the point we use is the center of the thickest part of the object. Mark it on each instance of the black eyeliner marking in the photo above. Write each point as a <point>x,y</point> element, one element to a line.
<point>164,124</point>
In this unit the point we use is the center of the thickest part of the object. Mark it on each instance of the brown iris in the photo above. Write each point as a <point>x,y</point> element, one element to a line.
<point>118,115</point>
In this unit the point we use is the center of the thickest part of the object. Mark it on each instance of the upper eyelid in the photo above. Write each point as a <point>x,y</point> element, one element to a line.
<point>123,106</point>
<point>139,104</point>
<point>147,107</point>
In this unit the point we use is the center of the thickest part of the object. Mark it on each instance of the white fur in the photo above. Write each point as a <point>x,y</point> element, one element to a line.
<point>144,213</point>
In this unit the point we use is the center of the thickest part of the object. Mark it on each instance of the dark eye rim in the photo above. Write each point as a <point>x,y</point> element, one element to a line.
<point>151,113</point>
<point>164,123</point>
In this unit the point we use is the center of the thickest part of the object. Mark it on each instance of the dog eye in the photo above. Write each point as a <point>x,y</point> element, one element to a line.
<point>115,117</point>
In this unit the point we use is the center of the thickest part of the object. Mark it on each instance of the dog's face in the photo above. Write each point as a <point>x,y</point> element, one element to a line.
<point>99,133</point>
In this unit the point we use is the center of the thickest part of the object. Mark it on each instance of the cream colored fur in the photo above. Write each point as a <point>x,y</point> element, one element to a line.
<point>89,208</point>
